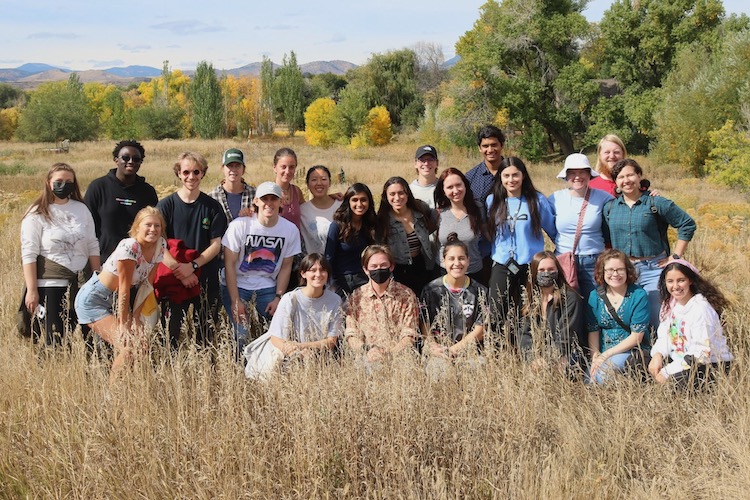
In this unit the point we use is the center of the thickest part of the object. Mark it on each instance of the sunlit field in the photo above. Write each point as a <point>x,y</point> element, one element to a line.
<point>189,425</point>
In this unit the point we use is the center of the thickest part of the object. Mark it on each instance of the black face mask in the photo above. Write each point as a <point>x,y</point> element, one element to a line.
<point>62,189</point>
<point>380,276</point>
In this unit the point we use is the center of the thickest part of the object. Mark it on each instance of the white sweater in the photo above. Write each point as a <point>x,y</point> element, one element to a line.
<point>693,329</point>
<point>68,238</point>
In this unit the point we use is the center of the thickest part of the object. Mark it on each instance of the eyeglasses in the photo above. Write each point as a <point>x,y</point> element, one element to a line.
<point>619,270</point>
<point>128,158</point>
<point>195,172</point>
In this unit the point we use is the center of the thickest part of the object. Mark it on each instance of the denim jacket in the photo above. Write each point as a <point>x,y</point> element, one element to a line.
<point>399,245</point>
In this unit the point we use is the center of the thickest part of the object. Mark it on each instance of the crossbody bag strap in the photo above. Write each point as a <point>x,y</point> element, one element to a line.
<point>603,295</point>
<point>579,227</point>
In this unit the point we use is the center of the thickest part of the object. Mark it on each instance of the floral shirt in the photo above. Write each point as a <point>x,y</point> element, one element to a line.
<point>130,249</point>
<point>382,321</point>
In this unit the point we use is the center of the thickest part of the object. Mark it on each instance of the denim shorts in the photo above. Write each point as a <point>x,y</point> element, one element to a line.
<point>94,301</point>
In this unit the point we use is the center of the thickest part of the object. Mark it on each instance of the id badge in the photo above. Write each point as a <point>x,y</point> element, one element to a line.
<point>513,266</point>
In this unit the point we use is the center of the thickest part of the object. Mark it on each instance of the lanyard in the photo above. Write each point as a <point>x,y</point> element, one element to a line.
<point>512,228</point>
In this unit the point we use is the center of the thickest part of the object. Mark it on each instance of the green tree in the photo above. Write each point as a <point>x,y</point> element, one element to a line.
<point>522,56</point>
<point>206,103</point>
<point>388,80</point>
<point>705,90</point>
<point>289,85</point>
<point>56,111</point>
<point>265,116</point>
<point>10,96</point>
<point>638,44</point>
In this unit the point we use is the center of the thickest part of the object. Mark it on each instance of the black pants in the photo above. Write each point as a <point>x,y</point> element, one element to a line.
<point>59,318</point>
<point>505,295</point>
<point>205,320</point>
<point>414,275</point>
<point>699,376</point>
<point>347,283</point>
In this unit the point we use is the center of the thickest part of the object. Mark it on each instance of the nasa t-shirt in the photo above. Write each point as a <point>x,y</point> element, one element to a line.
<point>261,250</point>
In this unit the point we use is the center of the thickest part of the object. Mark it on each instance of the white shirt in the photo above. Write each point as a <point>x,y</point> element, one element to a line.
<point>261,250</point>
<point>314,225</point>
<point>68,238</point>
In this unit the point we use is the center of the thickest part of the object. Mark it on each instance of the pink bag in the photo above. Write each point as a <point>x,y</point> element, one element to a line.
<point>567,260</point>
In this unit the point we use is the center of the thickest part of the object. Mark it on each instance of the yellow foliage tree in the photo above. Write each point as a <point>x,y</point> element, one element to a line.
<point>322,123</point>
<point>8,123</point>
<point>377,129</point>
<point>241,105</point>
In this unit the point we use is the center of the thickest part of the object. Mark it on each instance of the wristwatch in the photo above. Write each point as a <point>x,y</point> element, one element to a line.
<point>675,256</point>
<point>195,265</point>
<point>278,295</point>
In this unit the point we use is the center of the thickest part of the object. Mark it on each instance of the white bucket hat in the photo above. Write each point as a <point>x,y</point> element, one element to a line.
<point>575,161</point>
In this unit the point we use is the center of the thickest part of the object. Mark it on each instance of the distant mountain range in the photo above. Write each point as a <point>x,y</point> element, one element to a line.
<point>30,75</point>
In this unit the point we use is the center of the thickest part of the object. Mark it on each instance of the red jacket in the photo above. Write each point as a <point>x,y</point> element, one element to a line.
<point>166,285</point>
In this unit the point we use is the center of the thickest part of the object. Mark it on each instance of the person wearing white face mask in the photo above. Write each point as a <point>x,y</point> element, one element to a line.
<point>381,315</point>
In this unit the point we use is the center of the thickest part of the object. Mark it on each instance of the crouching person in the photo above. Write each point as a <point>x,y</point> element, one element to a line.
<point>309,319</point>
<point>381,316</point>
<point>454,310</point>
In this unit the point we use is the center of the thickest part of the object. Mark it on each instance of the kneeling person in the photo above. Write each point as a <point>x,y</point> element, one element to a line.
<point>381,316</point>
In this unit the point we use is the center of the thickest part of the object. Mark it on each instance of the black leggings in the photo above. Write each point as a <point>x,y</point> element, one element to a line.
<point>60,316</point>
<point>505,295</point>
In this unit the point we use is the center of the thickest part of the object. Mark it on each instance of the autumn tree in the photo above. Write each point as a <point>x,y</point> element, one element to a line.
<point>56,111</point>
<point>206,103</point>
<point>164,115</point>
<point>322,123</point>
<point>241,98</point>
<point>289,93</point>
<point>377,129</point>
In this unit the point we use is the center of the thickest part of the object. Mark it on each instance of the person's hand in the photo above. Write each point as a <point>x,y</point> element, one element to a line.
<point>654,368</point>
<point>247,212</point>
<point>439,351</point>
<point>31,300</point>
<point>654,192</point>
<point>596,362</point>
<point>190,281</point>
<point>337,196</point>
<point>271,307</point>
<point>183,270</point>
<point>240,313</point>
<point>375,354</point>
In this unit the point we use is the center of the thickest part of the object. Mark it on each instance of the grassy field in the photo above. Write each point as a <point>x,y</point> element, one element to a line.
<point>182,426</point>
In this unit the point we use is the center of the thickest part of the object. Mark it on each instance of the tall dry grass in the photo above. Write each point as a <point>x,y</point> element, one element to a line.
<point>187,425</point>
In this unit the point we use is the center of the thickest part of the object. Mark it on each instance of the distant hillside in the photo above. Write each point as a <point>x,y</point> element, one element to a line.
<point>31,75</point>
<point>36,67</point>
<point>135,72</point>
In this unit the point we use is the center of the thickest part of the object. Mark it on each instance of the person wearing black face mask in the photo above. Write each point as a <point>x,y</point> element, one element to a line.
<point>58,242</point>
<point>552,318</point>
<point>381,315</point>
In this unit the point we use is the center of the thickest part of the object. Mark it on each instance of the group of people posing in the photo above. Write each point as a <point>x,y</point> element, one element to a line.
<point>443,261</point>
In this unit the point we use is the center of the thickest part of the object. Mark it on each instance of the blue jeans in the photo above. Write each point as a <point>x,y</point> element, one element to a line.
<point>613,364</point>
<point>261,297</point>
<point>585,266</point>
<point>648,277</point>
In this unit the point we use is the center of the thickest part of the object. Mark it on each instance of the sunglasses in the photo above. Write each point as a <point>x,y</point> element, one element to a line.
<point>127,158</point>
<point>195,172</point>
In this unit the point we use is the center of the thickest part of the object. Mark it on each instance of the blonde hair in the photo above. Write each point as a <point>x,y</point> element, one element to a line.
<point>142,214</point>
<point>603,168</point>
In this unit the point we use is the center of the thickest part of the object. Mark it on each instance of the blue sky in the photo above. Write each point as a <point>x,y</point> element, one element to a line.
<point>88,34</point>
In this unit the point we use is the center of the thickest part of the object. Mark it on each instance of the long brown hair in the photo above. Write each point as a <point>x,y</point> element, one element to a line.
<point>385,209</point>
<point>47,198</point>
<point>533,290</point>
